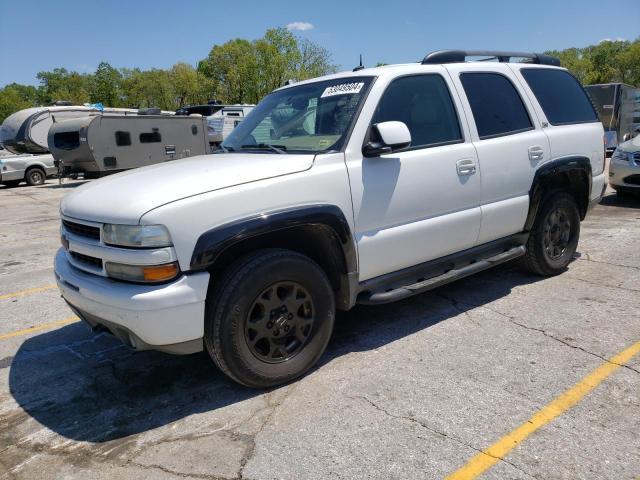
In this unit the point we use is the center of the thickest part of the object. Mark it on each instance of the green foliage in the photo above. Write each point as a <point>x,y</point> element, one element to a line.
<point>15,97</point>
<point>244,72</point>
<point>606,62</point>
<point>239,71</point>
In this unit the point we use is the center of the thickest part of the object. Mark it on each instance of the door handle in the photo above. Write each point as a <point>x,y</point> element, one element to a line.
<point>466,166</point>
<point>536,153</point>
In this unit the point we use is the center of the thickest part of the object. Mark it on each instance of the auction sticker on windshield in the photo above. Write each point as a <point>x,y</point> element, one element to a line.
<point>342,89</point>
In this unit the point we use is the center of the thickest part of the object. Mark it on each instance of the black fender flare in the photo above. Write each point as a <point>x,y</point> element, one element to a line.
<point>212,243</point>
<point>543,179</point>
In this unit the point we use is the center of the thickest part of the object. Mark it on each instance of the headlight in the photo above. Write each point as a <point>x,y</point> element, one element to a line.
<point>137,236</point>
<point>142,273</point>
<point>620,156</point>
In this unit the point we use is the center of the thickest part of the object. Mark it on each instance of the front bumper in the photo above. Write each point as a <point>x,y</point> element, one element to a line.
<point>167,317</point>
<point>619,173</point>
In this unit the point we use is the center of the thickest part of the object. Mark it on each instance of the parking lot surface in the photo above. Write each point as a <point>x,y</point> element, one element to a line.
<point>499,376</point>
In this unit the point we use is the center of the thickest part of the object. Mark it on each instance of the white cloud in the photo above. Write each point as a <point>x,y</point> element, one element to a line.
<point>619,39</point>
<point>300,26</point>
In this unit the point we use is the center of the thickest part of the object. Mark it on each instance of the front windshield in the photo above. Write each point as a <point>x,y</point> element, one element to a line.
<point>311,118</point>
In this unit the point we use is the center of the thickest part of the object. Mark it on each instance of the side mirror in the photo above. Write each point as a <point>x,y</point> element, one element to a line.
<point>387,137</point>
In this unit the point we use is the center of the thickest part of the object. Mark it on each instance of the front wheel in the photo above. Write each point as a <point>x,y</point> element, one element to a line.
<point>554,237</point>
<point>269,317</point>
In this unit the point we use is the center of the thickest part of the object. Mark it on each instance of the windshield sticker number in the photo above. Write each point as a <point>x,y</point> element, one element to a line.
<point>342,89</point>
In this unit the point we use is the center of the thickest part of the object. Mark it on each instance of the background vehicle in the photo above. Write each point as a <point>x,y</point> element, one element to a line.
<point>360,187</point>
<point>26,131</point>
<point>617,104</point>
<point>32,169</point>
<point>624,168</point>
<point>102,144</point>
<point>222,123</point>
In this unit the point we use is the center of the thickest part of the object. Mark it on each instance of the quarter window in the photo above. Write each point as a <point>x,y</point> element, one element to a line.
<point>424,104</point>
<point>496,105</point>
<point>561,96</point>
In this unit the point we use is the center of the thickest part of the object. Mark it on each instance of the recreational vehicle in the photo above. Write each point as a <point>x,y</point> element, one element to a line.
<point>616,104</point>
<point>26,131</point>
<point>102,144</point>
<point>221,123</point>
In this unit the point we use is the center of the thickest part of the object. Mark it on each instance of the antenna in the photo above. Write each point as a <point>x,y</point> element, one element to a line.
<point>360,66</point>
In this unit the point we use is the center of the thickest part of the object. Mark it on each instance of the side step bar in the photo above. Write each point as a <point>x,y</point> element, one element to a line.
<point>399,293</point>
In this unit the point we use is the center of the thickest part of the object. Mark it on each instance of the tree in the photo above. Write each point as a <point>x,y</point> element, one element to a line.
<point>232,69</point>
<point>189,86</point>
<point>60,84</point>
<point>16,97</point>
<point>105,86</point>
<point>244,72</point>
<point>607,62</point>
<point>315,60</point>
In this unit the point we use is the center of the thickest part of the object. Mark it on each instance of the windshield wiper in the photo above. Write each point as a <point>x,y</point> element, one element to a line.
<point>266,146</point>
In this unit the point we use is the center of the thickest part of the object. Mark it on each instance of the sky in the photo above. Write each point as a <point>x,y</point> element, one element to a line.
<point>78,35</point>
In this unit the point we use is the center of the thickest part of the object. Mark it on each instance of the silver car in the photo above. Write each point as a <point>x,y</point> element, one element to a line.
<point>624,169</point>
<point>33,169</point>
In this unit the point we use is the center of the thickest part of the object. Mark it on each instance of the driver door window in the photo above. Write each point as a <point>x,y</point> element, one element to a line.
<point>424,104</point>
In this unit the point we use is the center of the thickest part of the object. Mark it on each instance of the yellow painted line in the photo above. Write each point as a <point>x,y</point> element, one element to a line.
<point>29,291</point>
<point>489,457</point>
<point>38,328</point>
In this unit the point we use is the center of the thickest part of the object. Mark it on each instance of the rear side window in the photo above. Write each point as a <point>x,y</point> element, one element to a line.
<point>560,95</point>
<point>151,137</point>
<point>424,104</point>
<point>496,105</point>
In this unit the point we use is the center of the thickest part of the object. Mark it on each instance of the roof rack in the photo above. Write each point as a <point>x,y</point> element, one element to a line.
<point>455,56</point>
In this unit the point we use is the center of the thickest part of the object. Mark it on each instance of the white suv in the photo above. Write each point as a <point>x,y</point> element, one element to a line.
<point>361,187</point>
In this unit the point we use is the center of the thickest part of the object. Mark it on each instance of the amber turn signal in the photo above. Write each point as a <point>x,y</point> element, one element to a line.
<point>143,273</point>
<point>160,273</point>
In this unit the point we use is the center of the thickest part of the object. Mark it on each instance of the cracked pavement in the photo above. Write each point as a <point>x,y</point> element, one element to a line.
<point>410,390</point>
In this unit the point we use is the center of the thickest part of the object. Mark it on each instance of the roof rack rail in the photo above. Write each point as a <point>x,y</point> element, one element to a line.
<point>455,56</point>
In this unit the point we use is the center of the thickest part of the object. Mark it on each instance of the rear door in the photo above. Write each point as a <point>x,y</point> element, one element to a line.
<point>509,142</point>
<point>571,123</point>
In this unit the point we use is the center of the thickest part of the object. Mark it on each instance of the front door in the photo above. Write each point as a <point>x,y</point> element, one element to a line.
<point>423,202</point>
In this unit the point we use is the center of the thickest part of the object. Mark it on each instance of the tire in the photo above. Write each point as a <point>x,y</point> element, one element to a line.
<point>554,237</point>
<point>269,318</point>
<point>11,183</point>
<point>35,176</point>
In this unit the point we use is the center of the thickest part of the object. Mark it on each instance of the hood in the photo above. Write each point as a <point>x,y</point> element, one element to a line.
<point>125,197</point>
<point>632,145</point>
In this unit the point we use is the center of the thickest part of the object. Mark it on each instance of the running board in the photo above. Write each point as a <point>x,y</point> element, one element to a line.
<point>399,293</point>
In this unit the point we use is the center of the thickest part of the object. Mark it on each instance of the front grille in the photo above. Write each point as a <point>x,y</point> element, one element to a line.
<point>82,230</point>
<point>632,179</point>
<point>86,259</point>
<point>636,158</point>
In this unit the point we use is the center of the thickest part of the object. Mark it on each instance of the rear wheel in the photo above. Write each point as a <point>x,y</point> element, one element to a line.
<point>554,237</point>
<point>35,176</point>
<point>269,318</point>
